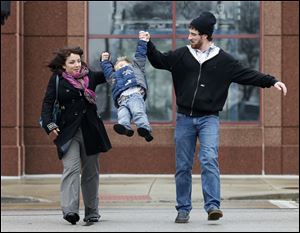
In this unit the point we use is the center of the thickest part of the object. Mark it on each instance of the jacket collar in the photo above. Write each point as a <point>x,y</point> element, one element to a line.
<point>212,52</point>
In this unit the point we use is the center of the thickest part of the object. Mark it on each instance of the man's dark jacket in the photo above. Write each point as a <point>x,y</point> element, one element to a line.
<point>76,112</point>
<point>203,89</point>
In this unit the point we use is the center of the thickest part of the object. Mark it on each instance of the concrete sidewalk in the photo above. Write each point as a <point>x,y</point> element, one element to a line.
<point>42,192</point>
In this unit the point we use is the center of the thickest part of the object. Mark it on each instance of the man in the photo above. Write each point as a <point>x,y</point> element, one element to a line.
<point>202,74</point>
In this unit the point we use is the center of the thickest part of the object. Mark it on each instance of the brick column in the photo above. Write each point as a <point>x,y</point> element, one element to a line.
<point>12,95</point>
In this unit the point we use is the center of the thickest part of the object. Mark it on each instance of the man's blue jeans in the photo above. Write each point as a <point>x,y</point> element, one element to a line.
<point>188,129</point>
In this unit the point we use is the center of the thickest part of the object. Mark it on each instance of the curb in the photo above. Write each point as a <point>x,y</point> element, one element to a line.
<point>277,196</point>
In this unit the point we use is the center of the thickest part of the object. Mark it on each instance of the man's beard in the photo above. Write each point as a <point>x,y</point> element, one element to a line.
<point>197,46</point>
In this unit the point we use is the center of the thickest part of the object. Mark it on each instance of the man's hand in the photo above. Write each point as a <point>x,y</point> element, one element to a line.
<point>281,87</point>
<point>147,36</point>
<point>104,56</point>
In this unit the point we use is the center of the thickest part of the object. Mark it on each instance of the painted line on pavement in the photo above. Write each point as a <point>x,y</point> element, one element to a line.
<point>283,204</point>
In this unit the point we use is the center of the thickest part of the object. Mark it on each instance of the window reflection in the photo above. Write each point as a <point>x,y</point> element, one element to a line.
<point>133,16</point>
<point>118,18</point>
<point>233,17</point>
<point>129,17</point>
<point>242,103</point>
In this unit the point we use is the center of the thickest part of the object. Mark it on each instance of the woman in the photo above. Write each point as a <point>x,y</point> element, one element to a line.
<point>79,132</point>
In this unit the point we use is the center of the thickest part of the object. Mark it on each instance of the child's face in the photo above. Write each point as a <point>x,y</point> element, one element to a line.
<point>121,64</point>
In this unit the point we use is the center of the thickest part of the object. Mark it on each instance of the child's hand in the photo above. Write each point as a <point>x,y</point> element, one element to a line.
<point>143,36</point>
<point>104,56</point>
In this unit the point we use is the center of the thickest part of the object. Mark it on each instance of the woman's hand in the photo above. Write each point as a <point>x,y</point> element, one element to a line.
<point>54,133</point>
<point>104,56</point>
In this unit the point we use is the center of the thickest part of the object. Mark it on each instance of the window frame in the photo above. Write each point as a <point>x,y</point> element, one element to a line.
<point>174,36</point>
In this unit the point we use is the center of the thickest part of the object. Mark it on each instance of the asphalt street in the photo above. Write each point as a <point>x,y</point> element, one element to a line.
<point>147,203</point>
<point>155,220</point>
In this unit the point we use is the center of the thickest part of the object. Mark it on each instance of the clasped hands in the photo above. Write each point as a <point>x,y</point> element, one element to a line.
<point>142,36</point>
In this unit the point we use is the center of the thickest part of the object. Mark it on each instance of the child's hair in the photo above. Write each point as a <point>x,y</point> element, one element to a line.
<point>120,62</point>
<point>123,58</point>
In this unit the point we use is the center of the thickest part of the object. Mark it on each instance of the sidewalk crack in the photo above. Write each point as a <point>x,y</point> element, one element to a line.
<point>151,186</point>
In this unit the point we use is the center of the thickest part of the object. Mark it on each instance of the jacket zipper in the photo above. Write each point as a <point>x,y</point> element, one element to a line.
<point>209,50</point>
<point>196,90</point>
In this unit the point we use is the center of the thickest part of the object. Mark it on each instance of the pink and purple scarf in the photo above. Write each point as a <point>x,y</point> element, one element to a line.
<point>80,81</point>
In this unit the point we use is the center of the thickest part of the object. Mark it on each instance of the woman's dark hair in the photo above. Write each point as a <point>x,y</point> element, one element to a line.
<point>57,63</point>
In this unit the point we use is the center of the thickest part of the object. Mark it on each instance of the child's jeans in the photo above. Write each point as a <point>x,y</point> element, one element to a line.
<point>133,108</point>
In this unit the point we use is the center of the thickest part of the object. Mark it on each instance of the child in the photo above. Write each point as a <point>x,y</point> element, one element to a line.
<point>129,89</point>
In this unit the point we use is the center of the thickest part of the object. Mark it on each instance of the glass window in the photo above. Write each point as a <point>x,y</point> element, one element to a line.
<point>114,26</point>
<point>129,17</point>
<point>242,103</point>
<point>233,17</point>
<point>100,19</point>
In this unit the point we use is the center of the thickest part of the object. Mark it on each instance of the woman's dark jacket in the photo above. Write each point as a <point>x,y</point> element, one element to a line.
<point>76,112</point>
<point>202,89</point>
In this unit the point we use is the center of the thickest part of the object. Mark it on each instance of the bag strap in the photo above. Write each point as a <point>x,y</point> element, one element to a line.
<point>56,88</point>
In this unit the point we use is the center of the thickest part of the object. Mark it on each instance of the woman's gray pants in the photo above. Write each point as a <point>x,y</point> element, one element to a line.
<point>74,161</point>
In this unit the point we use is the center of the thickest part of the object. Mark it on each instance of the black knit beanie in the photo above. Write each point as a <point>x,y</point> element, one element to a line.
<point>204,23</point>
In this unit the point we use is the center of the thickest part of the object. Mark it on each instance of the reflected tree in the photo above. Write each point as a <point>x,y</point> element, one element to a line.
<point>250,47</point>
<point>191,9</point>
